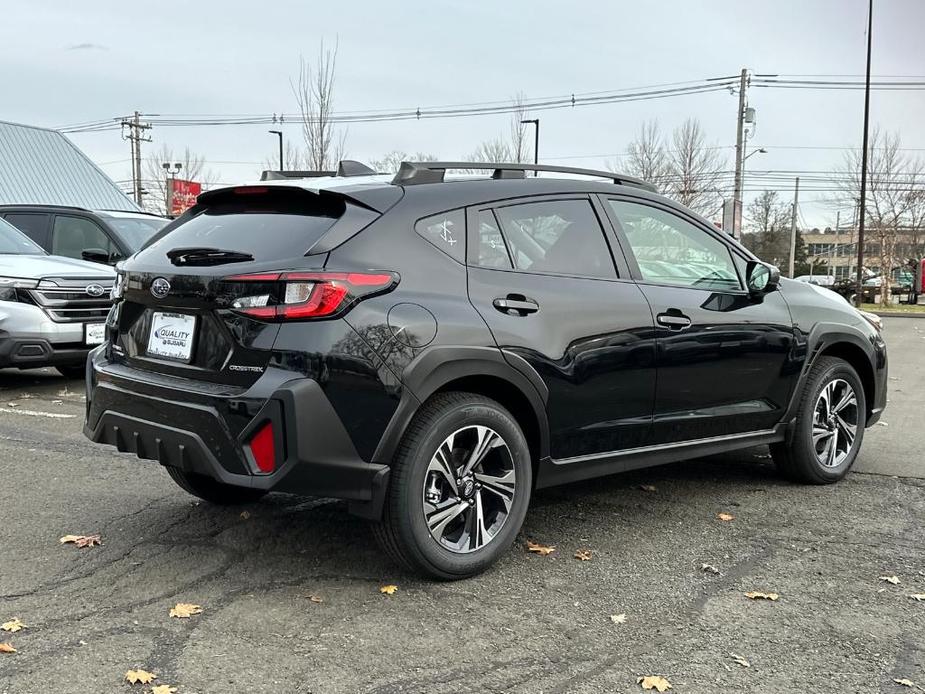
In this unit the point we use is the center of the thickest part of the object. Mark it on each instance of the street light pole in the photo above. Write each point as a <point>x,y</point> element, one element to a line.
<point>536,141</point>
<point>171,177</point>
<point>862,213</point>
<point>279,134</point>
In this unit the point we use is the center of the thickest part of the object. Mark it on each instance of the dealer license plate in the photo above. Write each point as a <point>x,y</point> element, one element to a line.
<point>172,336</point>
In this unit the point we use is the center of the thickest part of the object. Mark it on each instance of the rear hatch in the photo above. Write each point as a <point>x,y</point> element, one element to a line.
<point>177,314</point>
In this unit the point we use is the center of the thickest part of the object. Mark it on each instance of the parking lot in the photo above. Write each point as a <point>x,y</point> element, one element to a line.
<point>290,588</point>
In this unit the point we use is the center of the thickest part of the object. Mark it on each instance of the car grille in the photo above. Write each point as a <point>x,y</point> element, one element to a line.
<point>71,300</point>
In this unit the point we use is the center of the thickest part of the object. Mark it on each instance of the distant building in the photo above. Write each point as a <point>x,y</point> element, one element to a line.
<point>839,250</point>
<point>42,166</point>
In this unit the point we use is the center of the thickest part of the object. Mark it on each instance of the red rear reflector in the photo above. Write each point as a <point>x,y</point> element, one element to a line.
<point>263,448</point>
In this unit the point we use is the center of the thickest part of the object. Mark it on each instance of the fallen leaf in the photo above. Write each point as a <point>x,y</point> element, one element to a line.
<point>725,517</point>
<point>139,676</point>
<point>7,648</point>
<point>757,595</point>
<point>904,682</point>
<point>618,618</point>
<point>648,487</point>
<point>13,625</point>
<point>163,689</point>
<point>709,568</point>
<point>245,514</point>
<point>918,597</point>
<point>81,540</point>
<point>655,682</point>
<point>583,554</point>
<point>740,660</point>
<point>12,404</point>
<point>185,610</point>
<point>542,550</point>
<point>315,598</point>
<point>388,590</point>
<point>891,579</point>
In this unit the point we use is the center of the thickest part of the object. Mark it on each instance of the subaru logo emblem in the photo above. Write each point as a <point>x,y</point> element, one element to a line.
<point>94,290</point>
<point>160,288</point>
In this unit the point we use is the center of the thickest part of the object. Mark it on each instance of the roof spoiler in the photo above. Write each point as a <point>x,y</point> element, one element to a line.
<point>345,168</point>
<point>419,172</point>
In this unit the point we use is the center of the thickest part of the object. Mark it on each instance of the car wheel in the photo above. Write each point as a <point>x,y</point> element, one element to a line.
<point>829,426</point>
<point>213,491</point>
<point>459,488</point>
<point>73,371</point>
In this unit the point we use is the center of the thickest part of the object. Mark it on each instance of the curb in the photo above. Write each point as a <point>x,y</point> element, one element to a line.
<point>896,314</point>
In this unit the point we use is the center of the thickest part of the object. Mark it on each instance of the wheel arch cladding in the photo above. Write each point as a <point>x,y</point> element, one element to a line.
<point>480,370</point>
<point>855,355</point>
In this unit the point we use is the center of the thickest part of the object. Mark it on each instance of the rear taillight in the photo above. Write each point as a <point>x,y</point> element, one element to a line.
<point>263,448</point>
<point>286,296</point>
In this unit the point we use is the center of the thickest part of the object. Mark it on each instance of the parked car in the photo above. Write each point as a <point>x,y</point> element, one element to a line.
<point>101,236</point>
<point>52,309</point>
<point>821,280</point>
<point>433,348</point>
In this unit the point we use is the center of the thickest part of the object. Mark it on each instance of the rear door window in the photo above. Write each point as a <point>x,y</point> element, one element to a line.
<point>33,225</point>
<point>562,237</point>
<point>447,231</point>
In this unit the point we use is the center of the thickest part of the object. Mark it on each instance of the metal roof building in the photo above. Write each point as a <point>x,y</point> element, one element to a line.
<point>42,166</point>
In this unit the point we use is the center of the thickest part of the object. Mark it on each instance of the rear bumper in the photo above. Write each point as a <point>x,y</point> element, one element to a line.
<point>205,432</point>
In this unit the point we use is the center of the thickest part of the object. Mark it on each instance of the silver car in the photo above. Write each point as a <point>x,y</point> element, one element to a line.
<point>52,309</point>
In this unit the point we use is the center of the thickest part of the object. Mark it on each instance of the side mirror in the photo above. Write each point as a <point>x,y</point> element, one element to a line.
<point>761,278</point>
<point>95,255</point>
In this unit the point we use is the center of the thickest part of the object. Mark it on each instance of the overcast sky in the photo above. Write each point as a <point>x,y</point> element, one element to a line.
<point>64,62</point>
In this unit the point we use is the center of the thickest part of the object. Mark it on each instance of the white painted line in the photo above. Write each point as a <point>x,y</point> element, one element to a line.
<point>36,413</point>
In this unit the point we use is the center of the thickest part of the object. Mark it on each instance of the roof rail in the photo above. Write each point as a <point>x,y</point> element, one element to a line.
<point>418,172</point>
<point>345,168</point>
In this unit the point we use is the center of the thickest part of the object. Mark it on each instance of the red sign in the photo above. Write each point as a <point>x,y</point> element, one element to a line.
<point>183,195</point>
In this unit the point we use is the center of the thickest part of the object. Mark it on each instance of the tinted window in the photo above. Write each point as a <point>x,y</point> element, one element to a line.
<point>447,231</point>
<point>670,250</point>
<point>491,249</point>
<point>35,226</point>
<point>134,231</point>
<point>273,227</point>
<point>14,242</point>
<point>559,236</point>
<point>73,235</point>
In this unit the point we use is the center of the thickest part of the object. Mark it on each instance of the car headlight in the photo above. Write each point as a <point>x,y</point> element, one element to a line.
<point>873,319</point>
<point>9,285</point>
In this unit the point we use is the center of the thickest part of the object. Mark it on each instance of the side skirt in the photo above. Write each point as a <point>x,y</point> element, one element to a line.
<point>554,472</point>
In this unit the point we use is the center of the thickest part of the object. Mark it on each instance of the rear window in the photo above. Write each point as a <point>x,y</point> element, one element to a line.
<point>267,227</point>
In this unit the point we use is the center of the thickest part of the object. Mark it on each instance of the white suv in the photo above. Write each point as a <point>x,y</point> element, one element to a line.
<point>52,309</point>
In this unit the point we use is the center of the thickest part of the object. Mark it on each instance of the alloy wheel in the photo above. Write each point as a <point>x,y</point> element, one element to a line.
<point>469,489</point>
<point>835,422</point>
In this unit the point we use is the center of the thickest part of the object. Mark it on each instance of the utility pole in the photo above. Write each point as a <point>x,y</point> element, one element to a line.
<point>135,138</point>
<point>862,205</point>
<point>740,157</point>
<point>793,227</point>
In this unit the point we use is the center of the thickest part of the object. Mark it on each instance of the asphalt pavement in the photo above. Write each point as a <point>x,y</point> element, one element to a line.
<point>531,624</point>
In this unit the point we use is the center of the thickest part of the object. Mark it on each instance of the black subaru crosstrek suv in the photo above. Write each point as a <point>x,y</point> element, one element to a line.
<point>433,348</point>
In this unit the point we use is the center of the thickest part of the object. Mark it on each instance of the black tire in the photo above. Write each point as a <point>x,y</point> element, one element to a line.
<point>798,459</point>
<point>73,371</point>
<point>403,531</point>
<point>213,491</point>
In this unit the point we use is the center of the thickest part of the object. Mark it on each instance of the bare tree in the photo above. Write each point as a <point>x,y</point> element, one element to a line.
<point>324,141</point>
<point>767,232</point>
<point>489,151</point>
<point>695,169</point>
<point>293,159</point>
<point>646,156</point>
<point>155,177</point>
<point>521,150</point>
<point>391,161</point>
<point>893,182</point>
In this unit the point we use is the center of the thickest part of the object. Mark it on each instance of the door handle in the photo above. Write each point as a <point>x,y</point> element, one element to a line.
<point>674,320</point>
<point>516,305</point>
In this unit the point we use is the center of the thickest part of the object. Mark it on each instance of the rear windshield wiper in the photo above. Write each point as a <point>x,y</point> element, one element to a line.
<point>207,256</point>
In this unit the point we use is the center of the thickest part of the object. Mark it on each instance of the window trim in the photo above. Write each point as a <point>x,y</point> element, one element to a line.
<point>621,270</point>
<point>616,229</point>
